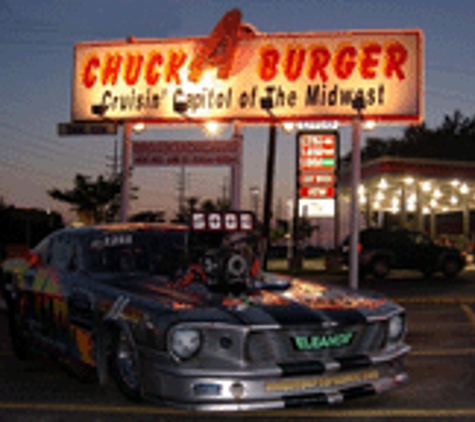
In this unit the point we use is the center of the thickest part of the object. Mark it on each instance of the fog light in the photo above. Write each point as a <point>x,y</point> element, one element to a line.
<point>237,390</point>
<point>206,389</point>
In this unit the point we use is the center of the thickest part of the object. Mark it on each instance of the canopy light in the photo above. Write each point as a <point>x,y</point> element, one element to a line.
<point>464,189</point>
<point>383,184</point>
<point>426,186</point>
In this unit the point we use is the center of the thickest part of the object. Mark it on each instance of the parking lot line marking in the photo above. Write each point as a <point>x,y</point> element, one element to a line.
<point>279,413</point>
<point>436,300</point>
<point>443,352</point>
<point>470,314</point>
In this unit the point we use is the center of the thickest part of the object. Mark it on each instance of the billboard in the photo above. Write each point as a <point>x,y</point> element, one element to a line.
<point>224,77</point>
<point>186,153</point>
<point>317,153</point>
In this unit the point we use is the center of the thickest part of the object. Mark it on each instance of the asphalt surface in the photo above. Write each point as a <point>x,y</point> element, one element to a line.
<point>441,368</point>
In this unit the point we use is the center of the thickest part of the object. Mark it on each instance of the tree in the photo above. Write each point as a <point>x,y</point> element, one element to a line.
<point>26,225</point>
<point>98,198</point>
<point>452,140</point>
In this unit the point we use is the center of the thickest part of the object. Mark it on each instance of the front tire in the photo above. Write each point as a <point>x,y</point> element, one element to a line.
<point>451,267</point>
<point>124,366</point>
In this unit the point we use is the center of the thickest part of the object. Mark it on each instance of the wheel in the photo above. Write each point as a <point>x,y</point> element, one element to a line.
<point>16,330</point>
<point>451,267</point>
<point>124,366</point>
<point>380,267</point>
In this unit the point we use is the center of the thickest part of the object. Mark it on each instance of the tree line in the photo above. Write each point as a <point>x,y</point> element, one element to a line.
<point>453,140</point>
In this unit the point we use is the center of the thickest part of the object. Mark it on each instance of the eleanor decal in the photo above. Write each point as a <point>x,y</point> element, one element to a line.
<point>323,341</point>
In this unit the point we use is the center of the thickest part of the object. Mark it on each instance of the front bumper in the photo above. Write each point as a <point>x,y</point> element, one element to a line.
<point>261,390</point>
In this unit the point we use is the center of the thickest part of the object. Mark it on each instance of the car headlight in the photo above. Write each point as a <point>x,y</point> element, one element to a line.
<point>396,327</point>
<point>185,342</point>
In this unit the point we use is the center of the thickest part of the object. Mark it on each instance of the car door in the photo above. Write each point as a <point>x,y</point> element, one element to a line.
<point>418,251</point>
<point>42,296</point>
<point>80,304</point>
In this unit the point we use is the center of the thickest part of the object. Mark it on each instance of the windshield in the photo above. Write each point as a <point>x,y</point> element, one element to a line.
<point>141,251</point>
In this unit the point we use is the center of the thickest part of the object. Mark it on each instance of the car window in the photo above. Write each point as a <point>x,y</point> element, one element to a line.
<point>60,251</point>
<point>154,252</point>
<point>421,239</point>
<point>75,257</point>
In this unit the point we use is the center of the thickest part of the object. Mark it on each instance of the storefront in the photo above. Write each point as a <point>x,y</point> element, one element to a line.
<point>429,195</point>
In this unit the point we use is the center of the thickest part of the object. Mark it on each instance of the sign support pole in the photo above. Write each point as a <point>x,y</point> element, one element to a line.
<point>358,105</point>
<point>269,189</point>
<point>126,171</point>
<point>236,171</point>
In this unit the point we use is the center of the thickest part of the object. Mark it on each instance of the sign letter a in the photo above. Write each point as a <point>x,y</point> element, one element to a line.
<point>218,49</point>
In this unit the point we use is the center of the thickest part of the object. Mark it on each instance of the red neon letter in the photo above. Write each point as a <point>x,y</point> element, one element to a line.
<point>268,63</point>
<point>344,62</point>
<point>133,64</point>
<point>88,75</point>
<point>110,70</point>
<point>319,59</point>
<point>155,59</point>
<point>368,60</point>
<point>293,63</point>
<point>396,56</point>
<point>176,60</point>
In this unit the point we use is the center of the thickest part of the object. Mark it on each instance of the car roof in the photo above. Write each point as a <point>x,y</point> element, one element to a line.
<point>117,227</point>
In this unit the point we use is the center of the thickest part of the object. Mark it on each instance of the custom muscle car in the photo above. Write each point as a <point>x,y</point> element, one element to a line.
<point>186,316</point>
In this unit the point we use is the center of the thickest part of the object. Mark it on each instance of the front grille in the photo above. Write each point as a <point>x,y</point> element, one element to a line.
<point>277,345</point>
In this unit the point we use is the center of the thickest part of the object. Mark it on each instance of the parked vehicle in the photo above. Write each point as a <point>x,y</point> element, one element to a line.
<point>186,317</point>
<point>381,250</point>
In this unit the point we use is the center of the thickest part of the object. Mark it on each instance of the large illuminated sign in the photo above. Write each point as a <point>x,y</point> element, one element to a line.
<point>308,76</point>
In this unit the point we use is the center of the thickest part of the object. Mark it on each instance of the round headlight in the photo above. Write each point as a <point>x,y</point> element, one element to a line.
<point>185,342</point>
<point>396,327</point>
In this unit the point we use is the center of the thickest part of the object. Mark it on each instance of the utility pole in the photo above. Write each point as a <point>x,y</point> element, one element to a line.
<point>224,189</point>
<point>126,171</point>
<point>181,190</point>
<point>114,166</point>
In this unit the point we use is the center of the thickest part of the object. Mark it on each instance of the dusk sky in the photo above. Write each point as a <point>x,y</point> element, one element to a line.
<point>36,55</point>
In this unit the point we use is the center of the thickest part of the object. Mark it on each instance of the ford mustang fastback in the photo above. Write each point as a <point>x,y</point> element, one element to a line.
<point>185,316</point>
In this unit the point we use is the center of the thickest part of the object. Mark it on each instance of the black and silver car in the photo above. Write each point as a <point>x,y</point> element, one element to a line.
<point>186,317</point>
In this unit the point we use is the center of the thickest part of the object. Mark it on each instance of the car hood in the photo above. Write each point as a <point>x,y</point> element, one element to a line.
<point>277,300</point>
